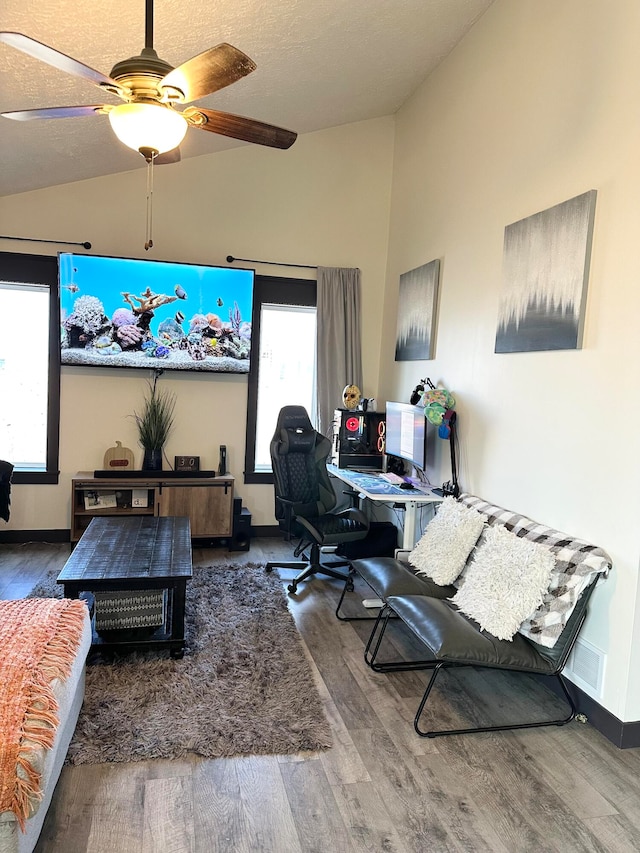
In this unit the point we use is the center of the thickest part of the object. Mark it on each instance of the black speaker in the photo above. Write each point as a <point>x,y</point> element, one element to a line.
<point>237,506</point>
<point>222,464</point>
<point>241,536</point>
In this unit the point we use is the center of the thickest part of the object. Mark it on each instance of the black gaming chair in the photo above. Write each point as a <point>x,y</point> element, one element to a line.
<point>305,498</point>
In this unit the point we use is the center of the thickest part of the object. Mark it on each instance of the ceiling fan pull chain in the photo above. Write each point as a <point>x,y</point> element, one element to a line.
<point>149,241</point>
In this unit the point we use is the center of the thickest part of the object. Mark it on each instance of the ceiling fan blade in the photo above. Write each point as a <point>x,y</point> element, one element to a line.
<point>58,60</point>
<point>172,156</point>
<point>209,71</point>
<point>56,112</point>
<point>239,127</point>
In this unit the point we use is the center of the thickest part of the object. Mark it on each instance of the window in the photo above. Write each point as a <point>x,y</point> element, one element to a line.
<point>29,366</point>
<point>283,363</point>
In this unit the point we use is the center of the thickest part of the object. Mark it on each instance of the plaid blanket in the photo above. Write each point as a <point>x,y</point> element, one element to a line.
<point>577,564</point>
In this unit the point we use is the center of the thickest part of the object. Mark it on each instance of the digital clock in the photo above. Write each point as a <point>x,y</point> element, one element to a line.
<point>187,463</point>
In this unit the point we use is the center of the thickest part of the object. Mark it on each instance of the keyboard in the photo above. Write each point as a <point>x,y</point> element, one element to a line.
<point>392,478</point>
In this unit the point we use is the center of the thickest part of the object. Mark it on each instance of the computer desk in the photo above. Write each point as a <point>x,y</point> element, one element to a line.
<point>372,487</point>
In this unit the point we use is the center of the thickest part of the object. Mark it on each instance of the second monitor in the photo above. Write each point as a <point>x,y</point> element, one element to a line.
<point>406,433</point>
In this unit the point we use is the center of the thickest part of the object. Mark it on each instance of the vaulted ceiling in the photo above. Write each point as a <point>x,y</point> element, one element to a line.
<point>320,63</point>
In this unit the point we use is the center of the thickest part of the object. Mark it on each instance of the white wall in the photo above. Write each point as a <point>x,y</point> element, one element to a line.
<point>538,104</point>
<point>325,201</point>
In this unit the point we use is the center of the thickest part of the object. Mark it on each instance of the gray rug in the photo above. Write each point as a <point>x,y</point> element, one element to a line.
<point>244,686</point>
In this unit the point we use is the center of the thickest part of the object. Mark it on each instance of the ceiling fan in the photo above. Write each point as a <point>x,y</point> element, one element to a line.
<point>148,120</point>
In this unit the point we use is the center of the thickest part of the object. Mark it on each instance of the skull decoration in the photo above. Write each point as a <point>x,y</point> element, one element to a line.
<point>351,396</point>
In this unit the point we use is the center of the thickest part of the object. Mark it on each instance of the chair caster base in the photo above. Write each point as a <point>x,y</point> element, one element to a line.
<point>293,587</point>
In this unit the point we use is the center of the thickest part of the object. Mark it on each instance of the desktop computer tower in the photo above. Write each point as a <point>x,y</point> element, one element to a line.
<point>358,439</point>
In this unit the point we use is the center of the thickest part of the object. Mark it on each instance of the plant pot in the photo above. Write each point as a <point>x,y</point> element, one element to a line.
<point>152,460</point>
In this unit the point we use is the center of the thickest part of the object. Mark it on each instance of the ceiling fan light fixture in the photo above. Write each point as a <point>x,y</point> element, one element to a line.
<point>148,126</point>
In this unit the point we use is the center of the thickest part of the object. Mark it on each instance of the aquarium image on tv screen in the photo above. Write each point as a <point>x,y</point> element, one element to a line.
<point>123,312</point>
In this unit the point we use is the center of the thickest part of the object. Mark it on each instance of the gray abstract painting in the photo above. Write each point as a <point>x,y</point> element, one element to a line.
<point>545,274</point>
<point>417,303</point>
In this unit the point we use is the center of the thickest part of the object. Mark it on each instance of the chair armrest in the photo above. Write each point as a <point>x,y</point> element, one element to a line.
<point>285,502</point>
<point>288,515</point>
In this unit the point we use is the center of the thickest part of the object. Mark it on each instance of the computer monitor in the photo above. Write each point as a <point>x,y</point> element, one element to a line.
<point>406,433</point>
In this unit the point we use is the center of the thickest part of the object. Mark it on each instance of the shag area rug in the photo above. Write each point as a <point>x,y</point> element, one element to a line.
<point>244,686</point>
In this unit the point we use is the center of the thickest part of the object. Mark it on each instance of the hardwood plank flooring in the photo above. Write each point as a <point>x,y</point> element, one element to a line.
<point>168,815</point>
<point>381,787</point>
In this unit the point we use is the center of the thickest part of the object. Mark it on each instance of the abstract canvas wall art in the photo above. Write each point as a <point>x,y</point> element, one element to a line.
<point>545,275</point>
<point>417,302</point>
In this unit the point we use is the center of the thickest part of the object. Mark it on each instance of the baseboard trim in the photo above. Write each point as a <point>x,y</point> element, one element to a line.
<point>12,537</point>
<point>622,735</point>
<point>268,531</point>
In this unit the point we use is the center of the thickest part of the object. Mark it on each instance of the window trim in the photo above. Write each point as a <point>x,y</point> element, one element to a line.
<point>42,269</point>
<point>277,291</point>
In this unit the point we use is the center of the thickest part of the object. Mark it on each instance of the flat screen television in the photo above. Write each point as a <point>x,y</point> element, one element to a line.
<point>406,433</point>
<point>124,312</point>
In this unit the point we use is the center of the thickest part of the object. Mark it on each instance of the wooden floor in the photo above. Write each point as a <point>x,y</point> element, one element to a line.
<point>380,788</point>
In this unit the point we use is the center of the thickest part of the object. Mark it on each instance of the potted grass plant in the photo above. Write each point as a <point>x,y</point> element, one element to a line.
<point>155,423</point>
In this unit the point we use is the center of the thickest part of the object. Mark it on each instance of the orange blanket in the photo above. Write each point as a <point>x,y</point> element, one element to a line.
<point>38,642</point>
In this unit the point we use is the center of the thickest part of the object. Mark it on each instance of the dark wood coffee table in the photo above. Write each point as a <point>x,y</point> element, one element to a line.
<point>134,553</point>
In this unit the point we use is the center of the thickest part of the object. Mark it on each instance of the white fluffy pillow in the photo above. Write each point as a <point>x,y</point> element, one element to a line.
<point>505,582</point>
<point>447,542</point>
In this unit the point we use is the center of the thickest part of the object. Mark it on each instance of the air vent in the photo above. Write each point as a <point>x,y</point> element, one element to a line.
<point>586,666</point>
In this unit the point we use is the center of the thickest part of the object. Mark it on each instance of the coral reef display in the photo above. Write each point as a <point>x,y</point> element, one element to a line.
<point>130,329</point>
<point>89,328</point>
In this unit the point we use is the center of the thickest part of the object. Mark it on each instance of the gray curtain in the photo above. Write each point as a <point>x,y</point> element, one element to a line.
<point>339,355</point>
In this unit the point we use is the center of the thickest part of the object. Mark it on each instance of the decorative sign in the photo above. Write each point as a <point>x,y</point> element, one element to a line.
<point>140,497</point>
<point>118,457</point>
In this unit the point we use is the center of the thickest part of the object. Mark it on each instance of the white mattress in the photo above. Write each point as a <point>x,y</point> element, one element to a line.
<point>69,695</point>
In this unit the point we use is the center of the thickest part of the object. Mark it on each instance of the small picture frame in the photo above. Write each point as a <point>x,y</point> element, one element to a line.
<point>99,499</point>
<point>186,463</point>
<point>140,498</point>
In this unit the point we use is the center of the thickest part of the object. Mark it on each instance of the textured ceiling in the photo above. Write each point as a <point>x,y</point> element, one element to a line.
<point>320,63</point>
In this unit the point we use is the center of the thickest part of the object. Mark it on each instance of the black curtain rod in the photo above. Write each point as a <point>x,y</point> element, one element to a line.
<point>85,245</point>
<point>231,259</point>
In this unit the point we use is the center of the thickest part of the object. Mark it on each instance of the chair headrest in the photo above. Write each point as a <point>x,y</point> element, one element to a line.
<point>296,440</point>
<point>292,417</point>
